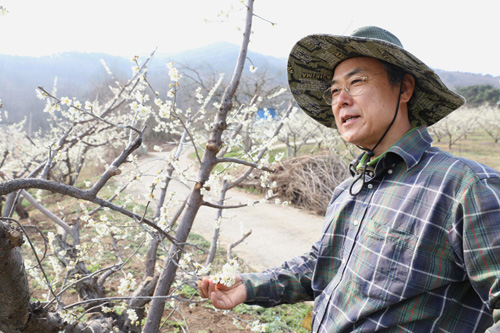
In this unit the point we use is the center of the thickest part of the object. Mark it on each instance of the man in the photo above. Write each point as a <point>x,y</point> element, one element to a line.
<point>410,243</point>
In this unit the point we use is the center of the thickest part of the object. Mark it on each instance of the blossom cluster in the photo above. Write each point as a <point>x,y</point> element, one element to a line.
<point>227,275</point>
<point>127,283</point>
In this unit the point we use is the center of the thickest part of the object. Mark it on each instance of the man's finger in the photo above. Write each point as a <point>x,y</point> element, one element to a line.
<point>211,287</point>
<point>200,289</point>
<point>203,287</point>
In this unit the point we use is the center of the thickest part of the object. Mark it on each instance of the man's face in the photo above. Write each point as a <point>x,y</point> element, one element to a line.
<point>363,119</point>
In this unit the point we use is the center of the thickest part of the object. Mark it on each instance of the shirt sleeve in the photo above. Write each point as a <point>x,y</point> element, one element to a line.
<point>289,283</point>
<point>480,206</point>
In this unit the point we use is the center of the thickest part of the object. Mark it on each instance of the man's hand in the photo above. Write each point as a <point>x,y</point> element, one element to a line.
<point>223,297</point>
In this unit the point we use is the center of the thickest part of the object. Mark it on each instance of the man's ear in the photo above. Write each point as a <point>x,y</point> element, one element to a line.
<point>407,88</point>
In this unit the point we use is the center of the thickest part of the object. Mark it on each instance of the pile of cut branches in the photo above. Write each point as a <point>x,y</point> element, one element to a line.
<point>306,182</point>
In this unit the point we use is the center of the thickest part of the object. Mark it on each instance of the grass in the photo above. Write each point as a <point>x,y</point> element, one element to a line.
<point>478,146</point>
<point>282,318</point>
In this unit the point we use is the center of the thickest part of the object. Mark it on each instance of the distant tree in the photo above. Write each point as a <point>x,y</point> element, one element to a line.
<point>489,120</point>
<point>480,94</point>
<point>455,127</point>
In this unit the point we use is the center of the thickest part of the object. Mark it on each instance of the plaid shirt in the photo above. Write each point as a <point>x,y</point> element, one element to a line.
<point>417,250</point>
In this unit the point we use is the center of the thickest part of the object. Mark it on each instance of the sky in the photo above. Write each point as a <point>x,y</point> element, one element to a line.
<point>445,34</point>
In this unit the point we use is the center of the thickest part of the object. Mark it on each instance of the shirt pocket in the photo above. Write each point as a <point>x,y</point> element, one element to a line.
<point>382,260</point>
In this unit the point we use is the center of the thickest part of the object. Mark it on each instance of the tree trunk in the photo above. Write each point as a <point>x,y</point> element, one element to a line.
<point>195,199</point>
<point>146,288</point>
<point>168,273</point>
<point>14,290</point>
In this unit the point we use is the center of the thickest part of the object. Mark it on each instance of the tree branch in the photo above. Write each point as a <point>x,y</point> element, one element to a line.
<point>233,245</point>
<point>49,214</point>
<point>213,205</point>
<point>243,162</point>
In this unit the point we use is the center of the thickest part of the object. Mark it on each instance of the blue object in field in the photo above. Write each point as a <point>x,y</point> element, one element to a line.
<point>261,113</point>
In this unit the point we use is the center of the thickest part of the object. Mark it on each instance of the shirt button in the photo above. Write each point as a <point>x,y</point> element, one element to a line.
<point>390,171</point>
<point>356,222</point>
<point>370,186</point>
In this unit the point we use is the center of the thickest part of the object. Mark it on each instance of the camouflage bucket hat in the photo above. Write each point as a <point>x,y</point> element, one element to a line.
<point>313,59</point>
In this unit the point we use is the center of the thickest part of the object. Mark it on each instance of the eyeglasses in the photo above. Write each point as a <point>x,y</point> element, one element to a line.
<point>353,87</point>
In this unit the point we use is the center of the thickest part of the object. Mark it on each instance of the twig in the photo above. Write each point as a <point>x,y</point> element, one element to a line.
<point>214,205</point>
<point>238,161</point>
<point>44,242</point>
<point>115,267</point>
<point>266,20</point>
<point>60,143</point>
<point>71,105</point>
<point>109,299</point>
<point>263,151</point>
<point>233,245</point>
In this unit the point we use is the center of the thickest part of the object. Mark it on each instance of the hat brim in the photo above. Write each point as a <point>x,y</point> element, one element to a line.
<point>313,59</point>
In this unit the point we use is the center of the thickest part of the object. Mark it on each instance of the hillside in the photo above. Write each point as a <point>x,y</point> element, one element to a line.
<point>81,75</point>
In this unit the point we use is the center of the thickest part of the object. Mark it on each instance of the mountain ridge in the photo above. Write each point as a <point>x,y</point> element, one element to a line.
<point>81,75</point>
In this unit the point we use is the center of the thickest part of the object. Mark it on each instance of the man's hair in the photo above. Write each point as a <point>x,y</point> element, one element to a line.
<point>394,73</point>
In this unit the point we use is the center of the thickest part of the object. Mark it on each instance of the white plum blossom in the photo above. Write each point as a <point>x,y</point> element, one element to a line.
<point>132,316</point>
<point>106,68</point>
<point>51,237</point>
<point>202,270</point>
<point>185,261</point>
<point>199,96</point>
<point>105,309</point>
<point>60,156</point>
<point>68,316</point>
<point>227,276</point>
<point>173,72</point>
<point>40,94</point>
<point>126,284</point>
<point>65,101</point>
<point>102,229</point>
<point>165,110</point>
<point>276,94</point>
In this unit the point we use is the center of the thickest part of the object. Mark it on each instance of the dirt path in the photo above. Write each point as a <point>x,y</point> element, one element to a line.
<point>278,233</point>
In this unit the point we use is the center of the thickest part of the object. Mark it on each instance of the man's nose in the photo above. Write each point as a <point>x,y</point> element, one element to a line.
<point>343,98</point>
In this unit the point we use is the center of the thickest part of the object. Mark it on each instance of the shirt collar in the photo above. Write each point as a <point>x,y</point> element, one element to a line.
<point>409,148</point>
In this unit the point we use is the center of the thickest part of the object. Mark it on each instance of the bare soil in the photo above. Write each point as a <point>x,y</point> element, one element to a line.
<point>200,318</point>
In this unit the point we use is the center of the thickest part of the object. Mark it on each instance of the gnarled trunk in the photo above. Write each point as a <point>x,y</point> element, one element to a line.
<point>14,290</point>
